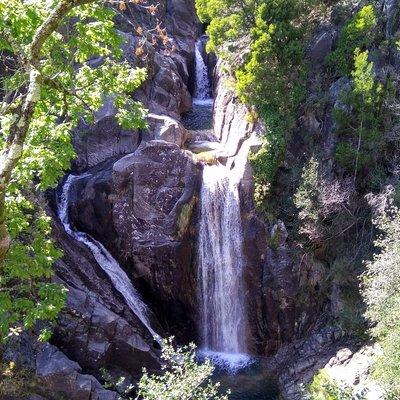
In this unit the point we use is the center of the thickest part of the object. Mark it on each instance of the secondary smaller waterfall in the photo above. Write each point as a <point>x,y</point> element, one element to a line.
<point>220,263</point>
<point>202,88</point>
<point>105,260</point>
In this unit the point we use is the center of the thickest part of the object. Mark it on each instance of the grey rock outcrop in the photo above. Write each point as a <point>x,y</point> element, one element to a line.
<point>352,368</point>
<point>155,195</point>
<point>168,129</point>
<point>51,374</point>
<point>391,12</point>
<point>321,45</point>
<point>297,362</point>
<point>64,377</point>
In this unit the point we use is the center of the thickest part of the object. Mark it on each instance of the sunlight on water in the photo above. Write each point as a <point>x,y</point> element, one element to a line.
<point>230,362</point>
<point>203,102</point>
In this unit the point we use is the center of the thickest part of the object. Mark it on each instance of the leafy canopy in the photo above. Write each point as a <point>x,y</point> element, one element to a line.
<point>181,378</point>
<point>360,124</point>
<point>357,33</point>
<point>48,85</point>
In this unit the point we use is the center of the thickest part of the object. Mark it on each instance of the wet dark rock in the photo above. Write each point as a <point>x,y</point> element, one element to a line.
<point>321,45</point>
<point>92,210</point>
<point>155,195</point>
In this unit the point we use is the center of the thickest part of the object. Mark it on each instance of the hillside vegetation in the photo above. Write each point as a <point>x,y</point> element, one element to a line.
<point>337,185</point>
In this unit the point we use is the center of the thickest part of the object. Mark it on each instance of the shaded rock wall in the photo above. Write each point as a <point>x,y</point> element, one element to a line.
<point>97,328</point>
<point>141,207</point>
<point>52,375</point>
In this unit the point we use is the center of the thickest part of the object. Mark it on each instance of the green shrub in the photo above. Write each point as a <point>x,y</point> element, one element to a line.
<point>345,155</point>
<point>357,33</point>
<point>182,378</point>
<point>271,78</point>
<point>361,125</point>
<point>16,383</point>
<point>323,387</point>
<point>306,197</point>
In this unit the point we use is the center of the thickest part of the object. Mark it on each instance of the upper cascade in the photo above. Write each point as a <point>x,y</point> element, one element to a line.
<point>202,91</point>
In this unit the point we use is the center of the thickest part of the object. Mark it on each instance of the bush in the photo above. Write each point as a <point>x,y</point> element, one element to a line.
<point>16,383</point>
<point>182,378</point>
<point>323,387</point>
<point>271,78</point>
<point>306,197</point>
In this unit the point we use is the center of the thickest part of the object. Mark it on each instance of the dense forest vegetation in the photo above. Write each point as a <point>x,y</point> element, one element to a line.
<point>345,205</point>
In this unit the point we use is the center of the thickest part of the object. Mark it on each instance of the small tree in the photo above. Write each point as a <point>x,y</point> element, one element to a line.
<point>322,387</point>
<point>361,124</point>
<point>182,379</point>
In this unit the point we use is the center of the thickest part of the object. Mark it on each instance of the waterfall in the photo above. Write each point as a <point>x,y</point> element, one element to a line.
<point>220,268</point>
<point>106,261</point>
<point>202,93</point>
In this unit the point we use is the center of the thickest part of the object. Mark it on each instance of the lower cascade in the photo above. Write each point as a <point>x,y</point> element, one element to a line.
<point>220,269</point>
<point>105,260</point>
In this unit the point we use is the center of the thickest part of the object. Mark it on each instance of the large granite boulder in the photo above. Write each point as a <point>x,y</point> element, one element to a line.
<point>142,208</point>
<point>154,198</point>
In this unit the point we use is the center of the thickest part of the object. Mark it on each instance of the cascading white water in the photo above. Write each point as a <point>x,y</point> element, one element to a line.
<point>220,268</point>
<point>202,91</point>
<point>105,260</point>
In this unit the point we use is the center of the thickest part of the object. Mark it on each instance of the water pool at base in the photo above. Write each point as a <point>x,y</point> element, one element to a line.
<point>250,383</point>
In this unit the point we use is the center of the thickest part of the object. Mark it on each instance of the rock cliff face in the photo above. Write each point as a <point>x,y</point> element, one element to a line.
<point>141,207</point>
<point>139,196</point>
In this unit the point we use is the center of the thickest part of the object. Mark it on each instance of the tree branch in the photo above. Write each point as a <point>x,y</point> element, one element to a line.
<point>12,153</point>
<point>50,25</point>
